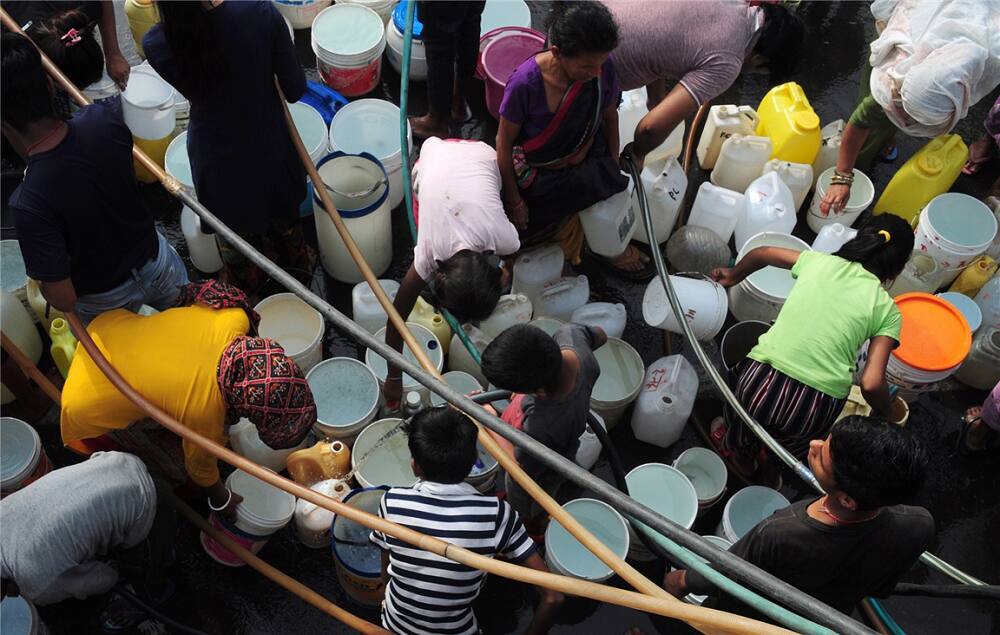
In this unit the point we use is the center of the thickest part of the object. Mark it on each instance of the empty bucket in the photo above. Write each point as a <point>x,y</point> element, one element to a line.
<point>666,491</point>
<point>22,458</point>
<point>348,40</point>
<point>503,52</point>
<point>381,456</point>
<point>564,554</point>
<point>862,194</point>
<point>704,302</point>
<point>358,561</point>
<point>265,509</point>
<point>761,295</point>
<point>746,508</point>
<point>427,341</point>
<point>372,126</point>
<point>347,397</point>
<point>707,473</point>
<point>295,325</point>
<point>359,188</point>
<point>739,339</point>
<point>622,371</point>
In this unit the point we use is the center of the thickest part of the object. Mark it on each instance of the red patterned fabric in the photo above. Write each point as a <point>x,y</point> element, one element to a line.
<point>217,295</point>
<point>260,383</point>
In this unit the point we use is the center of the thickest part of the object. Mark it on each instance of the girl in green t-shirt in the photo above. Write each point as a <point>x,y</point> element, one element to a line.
<point>795,381</point>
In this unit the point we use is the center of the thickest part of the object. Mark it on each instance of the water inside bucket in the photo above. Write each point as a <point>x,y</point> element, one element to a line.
<point>367,125</point>
<point>177,163</point>
<point>961,219</point>
<point>346,29</point>
<point>19,445</point>
<point>665,490</point>
<point>506,53</point>
<point>621,372</point>
<point>351,542</point>
<point>12,265</point>
<point>310,126</point>
<point>773,281</point>
<point>601,521</point>
<point>382,459</point>
<point>344,389</point>
<point>751,505</point>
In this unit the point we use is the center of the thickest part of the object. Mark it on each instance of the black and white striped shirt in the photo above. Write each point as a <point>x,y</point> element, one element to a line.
<point>427,593</point>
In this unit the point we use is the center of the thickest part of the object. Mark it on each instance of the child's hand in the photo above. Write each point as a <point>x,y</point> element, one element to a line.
<point>724,276</point>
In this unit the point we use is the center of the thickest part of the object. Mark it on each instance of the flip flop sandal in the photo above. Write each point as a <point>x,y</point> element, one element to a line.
<point>889,156</point>
<point>645,274</point>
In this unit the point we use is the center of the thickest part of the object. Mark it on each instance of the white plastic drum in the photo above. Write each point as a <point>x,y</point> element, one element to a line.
<point>762,294</point>
<point>622,372</point>
<point>295,325</point>
<point>347,397</point>
<point>372,126</point>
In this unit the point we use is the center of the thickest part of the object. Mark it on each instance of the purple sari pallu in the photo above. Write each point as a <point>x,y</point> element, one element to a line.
<point>567,167</point>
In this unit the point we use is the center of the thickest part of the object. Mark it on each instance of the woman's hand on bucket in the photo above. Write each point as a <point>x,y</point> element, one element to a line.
<point>835,199</point>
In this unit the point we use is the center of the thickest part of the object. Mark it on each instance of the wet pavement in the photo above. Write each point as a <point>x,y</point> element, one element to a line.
<point>961,491</point>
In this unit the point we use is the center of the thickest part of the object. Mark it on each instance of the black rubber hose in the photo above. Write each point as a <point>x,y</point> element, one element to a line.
<point>990,592</point>
<point>177,626</point>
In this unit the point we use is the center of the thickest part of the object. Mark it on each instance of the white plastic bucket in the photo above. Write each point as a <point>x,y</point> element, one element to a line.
<point>666,491</point>
<point>311,127</point>
<point>347,397</point>
<point>148,105</point>
<point>746,508</point>
<point>348,40</point>
<point>265,510</point>
<point>502,13</point>
<point>301,13</point>
<point>621,377</point>
<point>564,554</point>
<point>366,214</point>
<point>358,562</point>
<point>295,325</point>
<point>394,51</point>
<point>461,381</point>
<point>381,456</point>
<point>22,457</point>
<point>372,126</point>
<point>970,310</point>
<point>427,340</point>
<point>20,328</point>
<point>954,229</point>
<point>483,474</point>
<point>707,473</point>
<point>382,7</point>
<point>862,194</point>
<point>761,295</point>
<point>103,91</point>
<point>704,302</point>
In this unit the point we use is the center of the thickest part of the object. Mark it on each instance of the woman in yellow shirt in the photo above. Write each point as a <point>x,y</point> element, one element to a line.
<point>197,364</point>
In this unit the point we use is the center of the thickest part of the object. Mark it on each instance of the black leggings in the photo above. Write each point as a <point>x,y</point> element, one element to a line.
<point>144,565</point>
<point>451,40</point>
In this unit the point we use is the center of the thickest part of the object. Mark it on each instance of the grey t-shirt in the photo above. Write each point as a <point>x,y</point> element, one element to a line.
<point>57,530</point>
<point>700,44</point>
<point>557,423</point>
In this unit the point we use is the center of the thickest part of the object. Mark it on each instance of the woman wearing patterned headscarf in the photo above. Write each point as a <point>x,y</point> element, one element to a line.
<point>199,365</point>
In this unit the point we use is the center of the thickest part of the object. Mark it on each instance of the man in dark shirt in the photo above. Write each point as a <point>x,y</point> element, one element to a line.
<point>84,233</point>
<point>856,541</point>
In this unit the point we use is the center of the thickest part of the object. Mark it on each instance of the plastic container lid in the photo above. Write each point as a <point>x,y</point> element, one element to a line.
<point>345,31</point>
<point>12,265</point>
<point>345,391</point>
<point>177,163</point>
<point>935,335</point>
<point>372,126</point>
<point>20,447</point>
<point>311,128</point>
<point>399,19</point>
<point>970,310</point>
<point>806,120</point>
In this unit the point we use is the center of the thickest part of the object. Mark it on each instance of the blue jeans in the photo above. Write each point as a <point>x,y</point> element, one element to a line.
<point>157,283</point>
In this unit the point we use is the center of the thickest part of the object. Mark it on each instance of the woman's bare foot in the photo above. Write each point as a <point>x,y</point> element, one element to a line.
<point>978,435</point>
<point>980,153</point>
<point>631,260</point>
<point>430,125</point>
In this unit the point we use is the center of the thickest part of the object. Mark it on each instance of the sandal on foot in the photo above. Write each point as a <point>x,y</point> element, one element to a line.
<point>890,155</point>
<point>645,274</point>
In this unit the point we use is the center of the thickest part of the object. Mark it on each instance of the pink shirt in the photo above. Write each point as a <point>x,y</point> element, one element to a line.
<point>458,186</point>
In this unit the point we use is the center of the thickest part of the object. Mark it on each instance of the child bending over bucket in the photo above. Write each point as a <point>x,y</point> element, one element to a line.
<point>553,378</point>
<point>463,232</point>
<point>425,592</point>
<point>795,380</point>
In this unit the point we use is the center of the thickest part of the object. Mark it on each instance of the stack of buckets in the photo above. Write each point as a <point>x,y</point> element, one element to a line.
<point>348,40</point>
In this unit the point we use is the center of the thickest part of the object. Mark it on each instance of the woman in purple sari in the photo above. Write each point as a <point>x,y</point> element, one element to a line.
<point>558,137</point>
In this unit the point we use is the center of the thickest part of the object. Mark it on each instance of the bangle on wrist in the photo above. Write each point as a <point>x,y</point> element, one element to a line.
<point>229,498</point>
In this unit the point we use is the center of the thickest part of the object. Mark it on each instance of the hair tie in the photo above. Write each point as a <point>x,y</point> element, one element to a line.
<point>72,37</point>
<point>885,234</point>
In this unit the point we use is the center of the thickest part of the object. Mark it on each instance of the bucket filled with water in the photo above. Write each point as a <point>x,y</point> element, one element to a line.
<point>22,457</point>
<point>668,492</point>
<point>348,40</point>
<point>707,473</point>
<point>761,295</point>
<point>358,561</point>
<point>18,616</point>
<point>265,510</point>
<point>359,188</point>
<point>347,397</point>
<point>372,125</point>
<point>746,508</point>
<point>428,342</point>
<point>565,555</point>
<point>381,456</point>
<point>295,325</point>
<point>954,229</point>
<point>621,377</point>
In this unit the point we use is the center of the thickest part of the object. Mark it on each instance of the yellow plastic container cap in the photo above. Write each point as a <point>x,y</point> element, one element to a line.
<point>930,165</point>
<point>935,335</point>
<point>806,120</point>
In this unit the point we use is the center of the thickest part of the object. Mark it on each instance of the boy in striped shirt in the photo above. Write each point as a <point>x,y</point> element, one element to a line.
<point>427,593</point>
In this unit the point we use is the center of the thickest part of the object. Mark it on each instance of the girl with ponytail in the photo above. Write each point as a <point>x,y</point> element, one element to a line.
<point>795,381</point>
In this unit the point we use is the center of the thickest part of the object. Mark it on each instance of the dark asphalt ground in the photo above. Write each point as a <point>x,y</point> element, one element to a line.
<point>961,492</point>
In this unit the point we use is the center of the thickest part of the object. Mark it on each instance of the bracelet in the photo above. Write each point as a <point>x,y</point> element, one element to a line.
<point>838,179</point>
<point>224,505</point>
